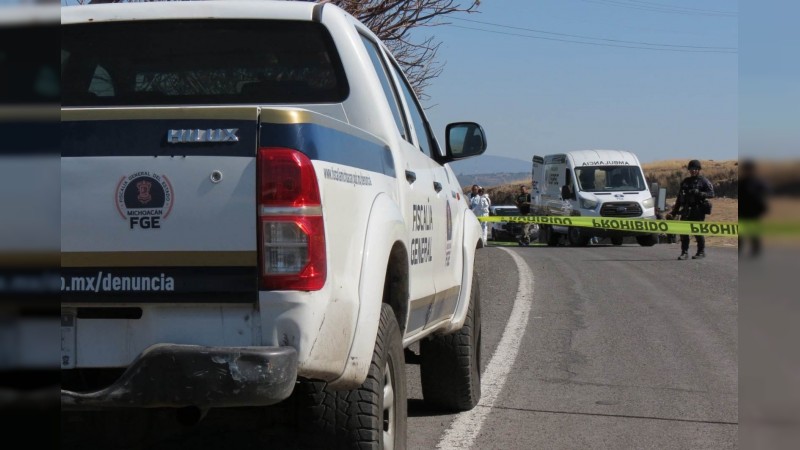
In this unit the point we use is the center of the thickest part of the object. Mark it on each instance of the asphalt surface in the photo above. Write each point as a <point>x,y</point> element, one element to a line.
<point>624,347</point>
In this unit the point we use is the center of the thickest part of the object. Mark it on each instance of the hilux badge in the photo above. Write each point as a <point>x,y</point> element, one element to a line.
<point>202,135</point>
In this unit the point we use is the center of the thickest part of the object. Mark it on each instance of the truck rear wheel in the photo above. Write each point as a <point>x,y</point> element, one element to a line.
<point>450,365</point>
<point>617,240</point>
<point>373,416</point>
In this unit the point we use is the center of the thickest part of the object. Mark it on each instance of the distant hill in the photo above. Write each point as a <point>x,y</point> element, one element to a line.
<point>489,170</point>
<point>490,164</point>
<point>493,179</point>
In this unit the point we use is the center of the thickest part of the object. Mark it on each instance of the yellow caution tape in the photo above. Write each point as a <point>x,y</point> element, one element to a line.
<point>768,228</point>
<point>629,225</point>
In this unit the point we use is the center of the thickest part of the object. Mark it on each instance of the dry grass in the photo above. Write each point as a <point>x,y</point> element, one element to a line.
<point>781,175</point>
<point>724,175</point>
<point>669,174</point>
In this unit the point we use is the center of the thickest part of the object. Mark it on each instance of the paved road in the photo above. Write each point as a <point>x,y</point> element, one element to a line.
<point>607,347</point>
<point>625,347</point>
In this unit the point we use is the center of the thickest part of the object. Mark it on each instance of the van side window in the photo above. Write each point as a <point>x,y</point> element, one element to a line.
<point>388,88</point>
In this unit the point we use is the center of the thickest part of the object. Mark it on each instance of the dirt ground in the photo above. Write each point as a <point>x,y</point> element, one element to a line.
<point>724,210</point>
<point>781,209</point>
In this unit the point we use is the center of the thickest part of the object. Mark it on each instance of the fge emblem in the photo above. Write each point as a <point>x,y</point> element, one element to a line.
<point>144,199</point>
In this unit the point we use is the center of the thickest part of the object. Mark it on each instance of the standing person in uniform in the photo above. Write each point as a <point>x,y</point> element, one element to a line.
<point>753,192</point>
<point>692,204</point>
<point>524,205</point>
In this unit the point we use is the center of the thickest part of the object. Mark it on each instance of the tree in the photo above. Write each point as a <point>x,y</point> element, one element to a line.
<point>392,21</point>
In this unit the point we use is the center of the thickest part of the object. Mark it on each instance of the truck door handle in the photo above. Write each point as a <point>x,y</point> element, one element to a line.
<point>437,186</point>
<point>411,177</point>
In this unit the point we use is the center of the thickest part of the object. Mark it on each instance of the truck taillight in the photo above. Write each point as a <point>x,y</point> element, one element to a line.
<point>291,231</point>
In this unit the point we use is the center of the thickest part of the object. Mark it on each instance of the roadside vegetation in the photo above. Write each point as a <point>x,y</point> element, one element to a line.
<point>781,176</point>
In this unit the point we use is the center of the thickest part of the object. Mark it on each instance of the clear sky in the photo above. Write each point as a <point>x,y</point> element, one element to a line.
<point>538,94</point>
<point>769,73</point>
<point>535,95</point>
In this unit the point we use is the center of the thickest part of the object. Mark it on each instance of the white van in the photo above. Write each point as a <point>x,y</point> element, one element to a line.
<point>593,183</point>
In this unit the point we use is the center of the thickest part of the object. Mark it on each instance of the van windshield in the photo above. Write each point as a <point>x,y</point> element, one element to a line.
<point>610,178</point>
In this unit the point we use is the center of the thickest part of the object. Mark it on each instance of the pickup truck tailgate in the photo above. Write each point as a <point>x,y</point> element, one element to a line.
<point>159,204</point>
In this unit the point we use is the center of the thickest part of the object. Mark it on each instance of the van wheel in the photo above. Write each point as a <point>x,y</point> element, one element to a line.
<point>553,238</point>
<point>373,416</point>
<point>647,240</point>
<point>450,365</point>
<point>577,238</point>
<point>616,240</point>
<point>543,231</point>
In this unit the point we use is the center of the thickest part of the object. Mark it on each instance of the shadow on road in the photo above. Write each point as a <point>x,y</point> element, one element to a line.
<point>418,408</point>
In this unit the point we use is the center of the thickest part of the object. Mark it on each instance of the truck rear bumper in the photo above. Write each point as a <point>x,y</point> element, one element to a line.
<point>171,375</point>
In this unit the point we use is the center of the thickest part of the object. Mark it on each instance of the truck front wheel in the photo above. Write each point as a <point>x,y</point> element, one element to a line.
<point>450,365</point>
<point>375,415</point>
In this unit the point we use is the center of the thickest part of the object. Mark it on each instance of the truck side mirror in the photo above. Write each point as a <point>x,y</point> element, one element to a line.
<point>464,139</point>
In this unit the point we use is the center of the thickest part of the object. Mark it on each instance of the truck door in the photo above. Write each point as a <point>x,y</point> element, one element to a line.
<point>537,175</point>
<point>418,196</point>
<point>446,274</point>
<point>554,172</point>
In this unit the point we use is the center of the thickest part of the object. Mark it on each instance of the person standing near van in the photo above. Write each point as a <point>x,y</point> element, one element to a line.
<point>692,204</point>
<point>524,205</point>
<point>473,192</point>
<point>479,204</point>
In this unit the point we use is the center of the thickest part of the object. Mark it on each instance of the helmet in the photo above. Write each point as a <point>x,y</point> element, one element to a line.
<point>694,164</point>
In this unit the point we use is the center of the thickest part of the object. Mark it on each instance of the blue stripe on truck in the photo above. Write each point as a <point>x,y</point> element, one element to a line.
<point>327,144</point>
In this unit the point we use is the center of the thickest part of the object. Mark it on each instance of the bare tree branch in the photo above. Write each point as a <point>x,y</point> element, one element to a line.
<point>392,20</point>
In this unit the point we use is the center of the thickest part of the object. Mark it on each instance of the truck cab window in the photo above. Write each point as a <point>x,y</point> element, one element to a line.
<point>388,87</point>
<point>417,118</point>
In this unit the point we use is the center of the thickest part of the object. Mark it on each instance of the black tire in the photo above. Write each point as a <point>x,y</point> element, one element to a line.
<point>543,232</point>
<point>553,238</point>
<point>577,237</point>
<point>617,240</point>
<point>450,365</point>
<point>647,240</point>
<point>358,419</point>
<point>494,237</point>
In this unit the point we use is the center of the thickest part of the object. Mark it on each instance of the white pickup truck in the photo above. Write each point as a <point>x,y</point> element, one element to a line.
<point>253,202</point>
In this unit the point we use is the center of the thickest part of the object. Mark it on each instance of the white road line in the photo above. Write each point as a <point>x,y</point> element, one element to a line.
<point>466,426</point>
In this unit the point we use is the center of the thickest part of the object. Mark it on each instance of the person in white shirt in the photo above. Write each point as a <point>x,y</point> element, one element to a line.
<point>480,207</point>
